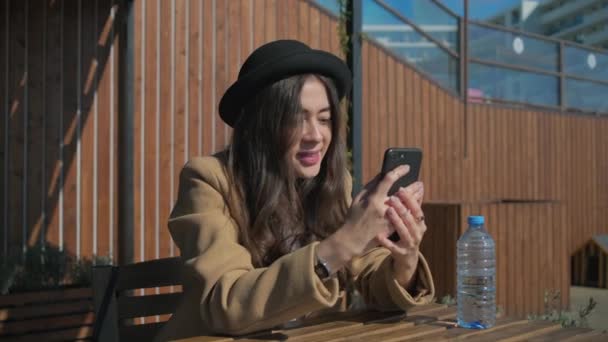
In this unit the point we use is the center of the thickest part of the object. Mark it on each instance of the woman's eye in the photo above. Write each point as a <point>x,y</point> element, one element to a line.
<point>325,120</point>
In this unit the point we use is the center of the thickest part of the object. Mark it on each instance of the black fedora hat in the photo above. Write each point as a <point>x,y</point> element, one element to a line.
<point>275,61</point>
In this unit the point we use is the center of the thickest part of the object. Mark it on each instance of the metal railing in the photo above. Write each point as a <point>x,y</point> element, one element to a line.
<point>489,63</point>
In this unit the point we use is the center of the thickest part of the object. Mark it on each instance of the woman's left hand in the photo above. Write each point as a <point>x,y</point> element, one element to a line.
<point>407,219</point>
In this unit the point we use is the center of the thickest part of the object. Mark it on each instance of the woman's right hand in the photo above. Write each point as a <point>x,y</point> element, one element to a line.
<point>366,221</point>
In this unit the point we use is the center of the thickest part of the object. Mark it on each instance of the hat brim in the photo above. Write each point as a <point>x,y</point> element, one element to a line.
<point>302,62</point>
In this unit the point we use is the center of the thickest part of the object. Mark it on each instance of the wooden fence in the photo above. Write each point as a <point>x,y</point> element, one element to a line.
<point>540,177</point>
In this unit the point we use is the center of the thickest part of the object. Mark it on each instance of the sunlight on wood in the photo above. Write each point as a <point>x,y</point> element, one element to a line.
<point>90,77</point>
<point>107,28</point>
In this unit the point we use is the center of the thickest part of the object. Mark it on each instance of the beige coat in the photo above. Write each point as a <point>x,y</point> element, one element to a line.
<point>225,294</point>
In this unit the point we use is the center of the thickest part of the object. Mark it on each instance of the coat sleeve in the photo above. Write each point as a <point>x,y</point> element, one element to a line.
<point>374,278</point>
<point>235,297</point>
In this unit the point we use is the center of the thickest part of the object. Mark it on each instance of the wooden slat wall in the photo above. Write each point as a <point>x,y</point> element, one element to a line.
<point>59,105</point>
<point>58,96</point>
<point>187,54</point>
<point>551,166</point>
<point>58,101</point>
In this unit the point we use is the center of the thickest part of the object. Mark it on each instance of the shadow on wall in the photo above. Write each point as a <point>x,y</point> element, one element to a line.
<point>53,75</point>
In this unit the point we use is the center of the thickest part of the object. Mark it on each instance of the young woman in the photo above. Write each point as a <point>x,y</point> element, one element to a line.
<point>267,229</point>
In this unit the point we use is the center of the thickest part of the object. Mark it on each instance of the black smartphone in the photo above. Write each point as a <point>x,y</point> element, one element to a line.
<point>396,156</point>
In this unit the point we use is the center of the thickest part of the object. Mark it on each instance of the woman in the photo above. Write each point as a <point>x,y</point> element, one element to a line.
<point>267,229</point>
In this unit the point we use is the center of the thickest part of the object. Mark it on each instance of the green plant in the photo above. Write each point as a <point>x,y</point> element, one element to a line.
<point>343,20</point>
<point>448,300</point>
<point>566,318</point>
<point>40,266</point>
<point>81,272</point>
<point>44,266</point>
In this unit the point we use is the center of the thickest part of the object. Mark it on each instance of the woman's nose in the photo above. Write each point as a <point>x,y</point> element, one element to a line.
<point>311,131</point>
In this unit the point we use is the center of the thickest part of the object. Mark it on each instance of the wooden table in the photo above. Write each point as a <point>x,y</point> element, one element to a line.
<point>434,322</point>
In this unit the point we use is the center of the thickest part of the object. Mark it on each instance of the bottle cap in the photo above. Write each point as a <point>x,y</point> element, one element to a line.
<point>476,220</point>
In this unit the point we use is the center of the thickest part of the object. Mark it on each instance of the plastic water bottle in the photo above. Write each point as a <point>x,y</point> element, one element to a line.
<point>476,274</point>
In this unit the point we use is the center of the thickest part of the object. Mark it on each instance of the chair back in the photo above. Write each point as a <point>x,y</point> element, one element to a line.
<point>118,305</point>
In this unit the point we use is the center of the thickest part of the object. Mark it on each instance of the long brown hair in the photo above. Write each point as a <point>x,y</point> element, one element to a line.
<point>276,212</point>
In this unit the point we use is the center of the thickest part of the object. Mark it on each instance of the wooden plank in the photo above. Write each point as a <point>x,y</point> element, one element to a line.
<point>408,107</point>
<point>303,21</point>
<point>440,133</point>
<point>232,57</point>
<point>180,102</point>
<point>396,333</point>
<point>334,39</point>
<point>270,20</point>
<point>535,223</point>
<point>138,131</point>
<point>194,96</point>
<point>423,126</point>
<point>151,126</point>
<point>36,17</point>
<point>291,19</point>
<point>281,23</point>
<point>211,339</point>
<point>221,82</point>
<point>400,101</point>
<point>17,131</point>
<point>4,123</point>
<point>364,330</point>
<point>325,31</point>
<point>209,100</point>
<point>52,309</point>
<point>88,69</point>
<point>165,200</point>
<point>390,131</point>
<point>140,332</point>
<point>478,152</point>
<point>463,334</point>
<point>44,324</point>
<point>73,334</point>
<point>70,119</point>
<point>518,332</point>
<point>314,331</point>
<point>375,114</point>
<point>104,39</point>
<point>147,305</point>
<point>27,298</point>
<point>259,22</point>
<point>366,103</point>
<point>570,334</point>
<point>153,273</point>
<point>314,23</point>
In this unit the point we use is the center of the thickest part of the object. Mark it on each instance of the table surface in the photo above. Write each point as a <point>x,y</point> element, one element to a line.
<point>434,322</point>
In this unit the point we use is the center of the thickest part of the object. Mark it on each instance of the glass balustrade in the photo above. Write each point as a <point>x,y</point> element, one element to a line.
<point>503,65</point>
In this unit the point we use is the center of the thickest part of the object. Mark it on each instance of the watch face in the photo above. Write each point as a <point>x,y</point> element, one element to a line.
<point>321,271</point>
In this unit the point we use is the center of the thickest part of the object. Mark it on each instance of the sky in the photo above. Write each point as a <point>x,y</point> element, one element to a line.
<point>478,9</point>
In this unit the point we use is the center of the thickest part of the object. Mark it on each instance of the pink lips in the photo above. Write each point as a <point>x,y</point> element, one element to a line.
<point>309,158</point>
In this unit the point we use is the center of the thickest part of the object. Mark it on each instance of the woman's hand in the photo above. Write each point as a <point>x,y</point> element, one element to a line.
<point>366,223</point>
<point>407,219</point>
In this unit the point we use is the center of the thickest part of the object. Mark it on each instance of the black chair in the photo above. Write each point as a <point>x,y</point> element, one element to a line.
<point>117,305</point>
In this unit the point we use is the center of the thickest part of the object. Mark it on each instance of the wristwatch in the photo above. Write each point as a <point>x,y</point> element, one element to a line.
<point>322,269</point>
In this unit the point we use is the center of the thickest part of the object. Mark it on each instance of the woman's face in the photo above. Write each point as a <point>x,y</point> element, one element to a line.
<point>314,136</point>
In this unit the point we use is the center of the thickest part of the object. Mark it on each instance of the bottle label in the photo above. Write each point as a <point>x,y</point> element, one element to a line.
<point>477,280</point>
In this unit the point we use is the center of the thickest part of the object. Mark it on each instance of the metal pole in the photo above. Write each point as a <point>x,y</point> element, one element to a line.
<point>562,79</point>
<point>126,127</point>
<point>354,25</point>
